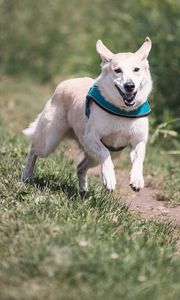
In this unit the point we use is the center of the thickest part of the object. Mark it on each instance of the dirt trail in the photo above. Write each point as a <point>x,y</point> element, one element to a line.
<point>143,202</point>
<point>146,204</point>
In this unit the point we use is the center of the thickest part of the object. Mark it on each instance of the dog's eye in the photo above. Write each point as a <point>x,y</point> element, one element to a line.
<point>118,71</point>
<point>136,69</point>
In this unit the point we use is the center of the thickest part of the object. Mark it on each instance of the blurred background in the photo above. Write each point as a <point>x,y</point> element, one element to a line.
<point>51,40</point>
<point>53,244</point>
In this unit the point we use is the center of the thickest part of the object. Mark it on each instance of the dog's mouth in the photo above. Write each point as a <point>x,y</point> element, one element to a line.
<point>128,98</point>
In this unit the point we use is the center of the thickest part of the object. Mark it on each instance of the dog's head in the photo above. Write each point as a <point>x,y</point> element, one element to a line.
<point>125,79</point>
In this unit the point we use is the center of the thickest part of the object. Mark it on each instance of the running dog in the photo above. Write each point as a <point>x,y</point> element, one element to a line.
<point>105,115</point>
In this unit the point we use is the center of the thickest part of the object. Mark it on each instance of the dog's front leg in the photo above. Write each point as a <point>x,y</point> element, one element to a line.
<point>137,155</point>
<point>100,153</point>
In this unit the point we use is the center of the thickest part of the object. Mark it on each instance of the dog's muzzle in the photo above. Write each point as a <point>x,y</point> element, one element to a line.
<point>128,97</point>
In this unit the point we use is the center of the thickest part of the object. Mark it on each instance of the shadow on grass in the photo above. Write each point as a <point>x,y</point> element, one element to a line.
<point>56,184</point>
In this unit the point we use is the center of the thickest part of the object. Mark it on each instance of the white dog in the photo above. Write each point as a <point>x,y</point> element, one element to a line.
<point>112,115</point>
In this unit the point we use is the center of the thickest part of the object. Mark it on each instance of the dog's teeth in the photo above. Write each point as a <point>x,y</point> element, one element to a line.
<point>129,103</point>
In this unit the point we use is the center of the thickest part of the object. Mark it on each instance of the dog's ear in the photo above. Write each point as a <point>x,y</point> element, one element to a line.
<point>144,50</point>
<point>104,52</point>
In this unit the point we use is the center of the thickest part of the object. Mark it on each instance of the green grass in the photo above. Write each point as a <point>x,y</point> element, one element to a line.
<point>164,171</point>
<point>170,188</point>
<point>55,244</point>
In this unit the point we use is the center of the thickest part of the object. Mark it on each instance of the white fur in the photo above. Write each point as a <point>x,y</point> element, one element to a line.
<point>66,111</point>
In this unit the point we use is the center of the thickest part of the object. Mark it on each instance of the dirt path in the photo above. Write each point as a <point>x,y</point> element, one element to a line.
<point>143,202</point>
<point>146,204</point>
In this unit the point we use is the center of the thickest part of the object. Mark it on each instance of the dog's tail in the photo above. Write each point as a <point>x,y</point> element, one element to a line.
<point>31,129</point>
<point>48,129</point>
<point>34,127</point>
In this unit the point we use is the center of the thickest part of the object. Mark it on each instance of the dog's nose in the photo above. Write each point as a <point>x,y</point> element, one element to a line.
<point>129,86</point>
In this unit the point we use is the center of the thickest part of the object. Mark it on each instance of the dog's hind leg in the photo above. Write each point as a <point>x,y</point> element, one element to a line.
<point>46,132</point>
<point>82,169</point>
<point>28,171</point>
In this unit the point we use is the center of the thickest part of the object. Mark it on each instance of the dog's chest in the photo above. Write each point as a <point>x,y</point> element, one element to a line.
<point>119,132</point>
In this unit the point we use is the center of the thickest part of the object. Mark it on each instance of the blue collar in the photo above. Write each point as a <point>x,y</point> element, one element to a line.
<point>95,96</point>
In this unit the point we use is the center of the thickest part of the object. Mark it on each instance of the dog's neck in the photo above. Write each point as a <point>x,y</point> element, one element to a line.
<point>94,95</point>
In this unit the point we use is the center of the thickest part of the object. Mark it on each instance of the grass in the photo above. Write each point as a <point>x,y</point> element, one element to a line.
<point>55,244</point>
<point>170,191</point>
<point>165,173</point>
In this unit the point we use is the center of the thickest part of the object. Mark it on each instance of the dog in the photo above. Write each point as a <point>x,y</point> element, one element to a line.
<point>105,115</point>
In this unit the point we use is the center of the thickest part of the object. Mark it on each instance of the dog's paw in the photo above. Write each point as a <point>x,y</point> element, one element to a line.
<point>136,182</point>
<point>108,176</point>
